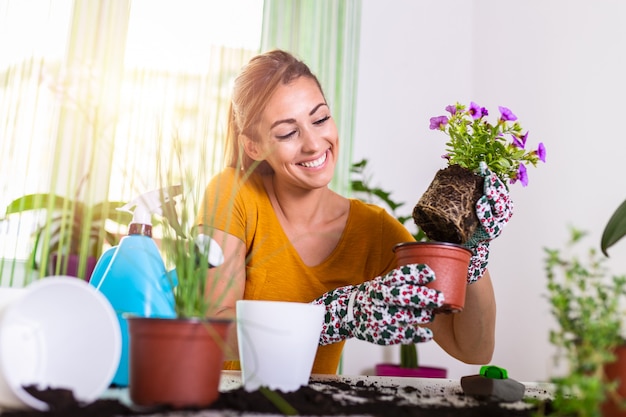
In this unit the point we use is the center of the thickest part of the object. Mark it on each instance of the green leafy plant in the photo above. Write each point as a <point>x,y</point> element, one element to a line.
<point>472,140</point>
<point>361,185</point>
<point>187,249</point>
<point>72,227</point>
<point>586,302</point>
<point>186,246</point>
<point>615,229</point>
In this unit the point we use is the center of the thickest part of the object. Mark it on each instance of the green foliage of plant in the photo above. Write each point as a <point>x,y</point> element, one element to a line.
<point>615,229</point>
<point>279,401</point>
<point>586,302</point>
<point>409,357</point>
<point>72,227</point>
<point>191,263</point>
<point>502,146</point>
<point>185,245</point>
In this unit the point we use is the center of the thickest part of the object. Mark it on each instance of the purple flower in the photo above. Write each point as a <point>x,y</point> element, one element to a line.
<point>541,152</point>
<point>451,109</point>
<point>506,114</point>
<point>474,110</point>
<point>438,122</point>
<point>522,175</point>
<point>520,141</point>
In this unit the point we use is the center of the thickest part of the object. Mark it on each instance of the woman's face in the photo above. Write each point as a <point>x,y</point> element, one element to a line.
<point>298,136</point>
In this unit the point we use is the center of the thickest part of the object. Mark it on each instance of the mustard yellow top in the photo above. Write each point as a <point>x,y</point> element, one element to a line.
<point>241,207</point>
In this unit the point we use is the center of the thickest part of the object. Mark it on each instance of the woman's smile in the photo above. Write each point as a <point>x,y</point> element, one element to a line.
<point>315,163</point>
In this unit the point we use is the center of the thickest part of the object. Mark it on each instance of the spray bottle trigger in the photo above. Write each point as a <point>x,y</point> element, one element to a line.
<point>214,252</point>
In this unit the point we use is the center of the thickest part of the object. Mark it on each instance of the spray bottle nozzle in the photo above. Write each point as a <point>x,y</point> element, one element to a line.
<point>150,203</point>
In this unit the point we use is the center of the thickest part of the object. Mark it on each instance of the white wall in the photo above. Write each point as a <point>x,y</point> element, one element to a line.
<point>560,66</point>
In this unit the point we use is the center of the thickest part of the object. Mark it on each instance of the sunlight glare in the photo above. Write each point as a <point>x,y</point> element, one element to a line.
<point>31,28</point>
<point>172,35</point>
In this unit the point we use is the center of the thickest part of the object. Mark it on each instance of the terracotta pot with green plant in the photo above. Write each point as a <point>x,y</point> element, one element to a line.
<point>446,212</point>
<point>71,239</point>
<point>177,362</point>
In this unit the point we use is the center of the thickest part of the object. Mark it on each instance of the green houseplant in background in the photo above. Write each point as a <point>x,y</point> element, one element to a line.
<point>363,189</point>
<point>70,240</point>
<point>615,229</point>
<point>613,232</point>
<point>587,303</point>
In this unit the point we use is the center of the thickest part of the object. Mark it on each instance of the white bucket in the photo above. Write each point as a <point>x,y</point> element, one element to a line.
<point>58,332</point>
<point>277,342</point>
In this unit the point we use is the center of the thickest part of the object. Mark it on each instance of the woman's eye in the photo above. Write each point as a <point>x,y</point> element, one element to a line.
<point>322,120</point>
<point>286,136</point>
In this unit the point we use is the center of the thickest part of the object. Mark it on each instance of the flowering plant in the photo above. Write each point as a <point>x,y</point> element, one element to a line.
<point>473,139</point>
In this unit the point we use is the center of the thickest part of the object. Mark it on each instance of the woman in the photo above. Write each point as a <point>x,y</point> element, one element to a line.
<point>287,236</point>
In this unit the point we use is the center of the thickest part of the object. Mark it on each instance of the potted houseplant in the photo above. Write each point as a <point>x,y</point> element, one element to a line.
<point>446,211</point>
<point>177,361</point>
<point>409,364</point>
<point>613,232</point>
<point>587,303</point>
<point>70,240</point>
<point>481,158</point>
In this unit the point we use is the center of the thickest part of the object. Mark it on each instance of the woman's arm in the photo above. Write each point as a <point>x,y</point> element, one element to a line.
<point>469,336</point>
<point>226,284</point>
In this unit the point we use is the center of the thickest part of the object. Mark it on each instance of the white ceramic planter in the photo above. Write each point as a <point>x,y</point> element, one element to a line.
<point>277,342</point>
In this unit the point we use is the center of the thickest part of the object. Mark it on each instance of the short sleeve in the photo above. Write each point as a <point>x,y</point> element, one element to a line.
<point>223,204</point>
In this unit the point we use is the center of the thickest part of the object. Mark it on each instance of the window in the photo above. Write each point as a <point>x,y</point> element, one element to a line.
<point>88,89</point>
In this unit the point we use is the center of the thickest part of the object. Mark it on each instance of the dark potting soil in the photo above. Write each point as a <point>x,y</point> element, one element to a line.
<point>63,404</point>
<point>317,399</point>
<point>339,398</point>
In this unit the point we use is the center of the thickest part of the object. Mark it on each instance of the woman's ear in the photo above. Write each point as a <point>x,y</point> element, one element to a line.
<point>251,148</point>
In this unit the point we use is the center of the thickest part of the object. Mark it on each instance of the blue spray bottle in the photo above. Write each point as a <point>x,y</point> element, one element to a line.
<point>132,275</point>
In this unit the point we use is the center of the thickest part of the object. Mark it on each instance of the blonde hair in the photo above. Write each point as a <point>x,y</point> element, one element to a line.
<point>252,90</point>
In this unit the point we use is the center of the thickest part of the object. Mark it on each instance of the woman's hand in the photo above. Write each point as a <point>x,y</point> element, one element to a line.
<point>386,310</point>
<point>494,210</point>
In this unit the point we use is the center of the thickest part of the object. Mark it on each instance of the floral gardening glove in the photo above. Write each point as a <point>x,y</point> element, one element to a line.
<point>494,210</point>
<point>386,310</point>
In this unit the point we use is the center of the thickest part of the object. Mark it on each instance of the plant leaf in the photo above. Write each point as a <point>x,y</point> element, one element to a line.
<point>35,202</point>
<point>280,403</point>
<point>615,229</point>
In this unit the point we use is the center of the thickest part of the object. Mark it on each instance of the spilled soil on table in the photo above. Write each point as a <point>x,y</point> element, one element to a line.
<point>316,399</point>
<point>339,398</point>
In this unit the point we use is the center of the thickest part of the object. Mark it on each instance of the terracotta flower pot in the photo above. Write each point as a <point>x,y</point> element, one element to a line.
<point>175,362</point>
<point>616,370</point>
<point>446,212</point>
<point>448,261</point>
<point>388,369</point>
